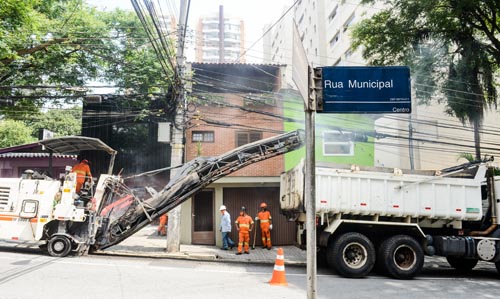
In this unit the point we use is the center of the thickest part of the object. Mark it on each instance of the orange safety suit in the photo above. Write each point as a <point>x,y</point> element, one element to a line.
<point>265,221</point>
<point>244,222</point>
<point>82,171</point>
<point>162,227</point>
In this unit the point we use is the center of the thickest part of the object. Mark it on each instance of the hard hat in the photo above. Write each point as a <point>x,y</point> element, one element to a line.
<point>243,209</point>
<point>223,207</point>
<point>263,205</point>
<point>85,161</point>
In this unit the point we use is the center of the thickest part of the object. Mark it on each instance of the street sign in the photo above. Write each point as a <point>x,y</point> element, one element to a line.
<point>356,89</point>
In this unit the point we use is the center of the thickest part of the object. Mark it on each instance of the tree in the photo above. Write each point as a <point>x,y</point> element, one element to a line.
<point>50,49</point>
<point>452,46</point>
<point>14,133</point>
<point>63,122</point>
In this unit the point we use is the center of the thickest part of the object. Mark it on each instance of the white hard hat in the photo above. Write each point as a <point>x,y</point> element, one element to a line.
<point>223,207</point>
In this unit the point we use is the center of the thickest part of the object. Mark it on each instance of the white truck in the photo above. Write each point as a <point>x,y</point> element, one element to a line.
<point>389,218</point>
<point>37,207</point>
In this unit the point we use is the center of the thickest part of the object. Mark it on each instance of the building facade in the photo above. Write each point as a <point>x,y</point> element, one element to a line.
<point>234,104</point>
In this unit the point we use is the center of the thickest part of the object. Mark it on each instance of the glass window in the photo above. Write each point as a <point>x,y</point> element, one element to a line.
<point>349,22</point>
<point>203,136</point>
<point>338,143</point>
<point>247,137</point>
<point>333,14</point>
<point>334,40</point>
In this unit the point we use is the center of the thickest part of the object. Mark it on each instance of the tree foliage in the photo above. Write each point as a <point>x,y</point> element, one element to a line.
<point>66,44</point>
<point>452,46</point>
<point>63,122</point>
<point>13,133</point>
<point>51,49</point>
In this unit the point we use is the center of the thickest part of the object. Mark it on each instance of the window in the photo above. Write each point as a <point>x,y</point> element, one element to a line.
<point>301,18</point>
<point>333,14</point>
<point>247,137</point>
<point>349,22</point>
<point>334,40</point>
<point>338,143</point>
<point>203,136</point>
<point>348,53</point>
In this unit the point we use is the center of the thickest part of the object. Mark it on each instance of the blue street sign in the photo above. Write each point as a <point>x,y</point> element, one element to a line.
<point>356,89</point>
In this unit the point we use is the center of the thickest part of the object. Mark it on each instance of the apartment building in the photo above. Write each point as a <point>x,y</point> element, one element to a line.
<point>428,138</point>
<point>220,38</point>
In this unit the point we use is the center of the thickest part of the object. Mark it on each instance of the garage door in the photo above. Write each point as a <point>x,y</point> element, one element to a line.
<point>283,232</point>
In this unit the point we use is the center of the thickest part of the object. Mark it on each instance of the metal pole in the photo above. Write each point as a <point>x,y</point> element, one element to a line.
<point>310,200</point>
<point>177,154</point>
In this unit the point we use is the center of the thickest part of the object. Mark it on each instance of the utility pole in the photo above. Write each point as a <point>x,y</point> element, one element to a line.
<point>310,186</point>
<point>177,151</point>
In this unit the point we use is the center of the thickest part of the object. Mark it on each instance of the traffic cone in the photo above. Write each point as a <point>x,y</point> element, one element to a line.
<point>279,270</point>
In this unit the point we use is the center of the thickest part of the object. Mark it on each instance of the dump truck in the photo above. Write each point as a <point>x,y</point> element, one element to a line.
<point>37,207</point>
<point>388,219</point>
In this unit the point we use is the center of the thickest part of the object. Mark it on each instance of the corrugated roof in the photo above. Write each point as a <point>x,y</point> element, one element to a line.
<point>36,155</point>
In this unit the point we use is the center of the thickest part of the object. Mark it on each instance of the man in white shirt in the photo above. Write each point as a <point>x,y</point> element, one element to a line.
<point>225,228</point>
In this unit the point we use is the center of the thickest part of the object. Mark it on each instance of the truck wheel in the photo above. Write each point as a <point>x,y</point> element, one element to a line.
<point>401,257</point>
<point>351,255</point>
<point>461,264</point>
<point>59,246</point>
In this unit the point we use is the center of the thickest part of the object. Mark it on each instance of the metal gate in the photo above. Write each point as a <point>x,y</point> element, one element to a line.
<point>283,232</point>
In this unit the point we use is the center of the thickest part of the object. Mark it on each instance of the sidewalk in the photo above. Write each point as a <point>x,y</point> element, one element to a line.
<point>146,243</point>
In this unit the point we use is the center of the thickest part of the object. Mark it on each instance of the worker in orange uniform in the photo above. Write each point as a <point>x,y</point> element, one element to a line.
<point>264,216</point>
<point>162,227</point>
<point>244,224</point>
<point>83,173</point>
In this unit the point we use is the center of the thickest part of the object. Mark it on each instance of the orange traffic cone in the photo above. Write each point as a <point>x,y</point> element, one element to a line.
<point>279,270</point>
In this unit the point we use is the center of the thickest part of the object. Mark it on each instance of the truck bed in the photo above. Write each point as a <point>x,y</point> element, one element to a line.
<point>386,192</point>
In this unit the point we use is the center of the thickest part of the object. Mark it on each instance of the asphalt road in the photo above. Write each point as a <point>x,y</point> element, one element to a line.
<point>28,274</point>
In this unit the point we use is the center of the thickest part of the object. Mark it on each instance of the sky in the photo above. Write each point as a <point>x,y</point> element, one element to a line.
<point>255,13</point>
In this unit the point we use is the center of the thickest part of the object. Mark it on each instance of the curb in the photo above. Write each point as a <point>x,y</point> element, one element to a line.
<point>195,257</point>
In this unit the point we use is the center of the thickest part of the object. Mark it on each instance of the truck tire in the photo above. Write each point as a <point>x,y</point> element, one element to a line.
<point>462,264</point>
<point>351,255</point>
<point>401,257</point>
<point>497,265</point>
<point>59,246</point>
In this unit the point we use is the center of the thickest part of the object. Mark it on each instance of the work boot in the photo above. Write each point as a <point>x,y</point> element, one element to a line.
<point>246,252</point>
<point>238,253</point>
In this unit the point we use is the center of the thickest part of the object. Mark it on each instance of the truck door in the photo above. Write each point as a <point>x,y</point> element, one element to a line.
<point>203,218</point>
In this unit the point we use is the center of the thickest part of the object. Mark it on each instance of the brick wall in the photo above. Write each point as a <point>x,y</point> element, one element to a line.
<point>225,122</point>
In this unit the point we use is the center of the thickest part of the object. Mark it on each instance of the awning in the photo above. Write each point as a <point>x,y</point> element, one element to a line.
<point>75,144</point>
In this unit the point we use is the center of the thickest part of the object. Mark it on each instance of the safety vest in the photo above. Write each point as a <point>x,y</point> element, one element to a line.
<point>244,222</point>
<point>264,216</point>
